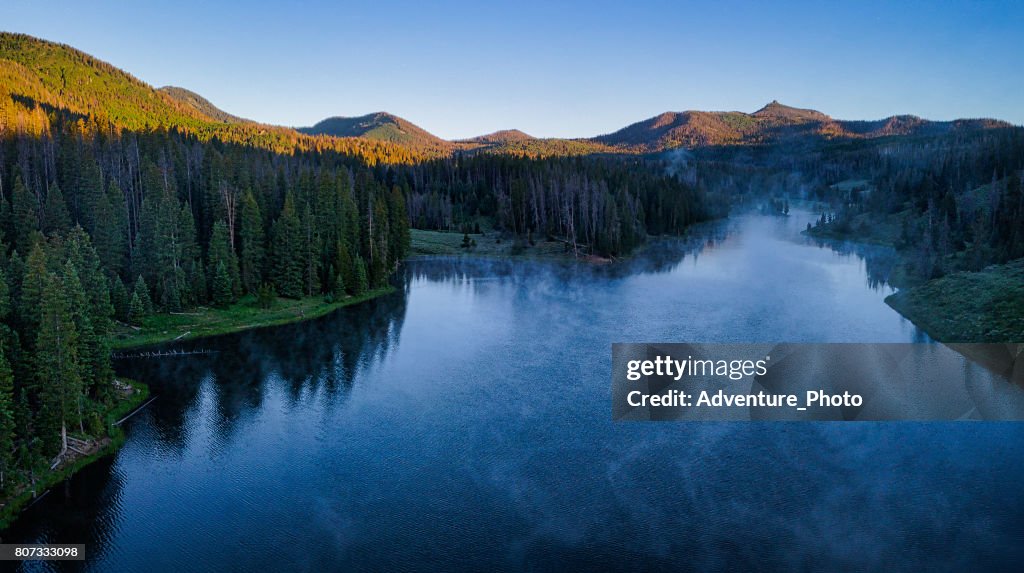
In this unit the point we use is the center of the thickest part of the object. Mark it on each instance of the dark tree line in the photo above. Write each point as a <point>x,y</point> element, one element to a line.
<point>959,198</point>
<point>203,223</point>
<point>605,206</point>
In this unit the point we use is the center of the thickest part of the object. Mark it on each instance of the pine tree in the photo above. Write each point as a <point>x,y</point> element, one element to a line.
<point>89,193</point>
<point>7,427</point>
<point>144,255</point>
<point>380,261</point>
<point>32,286</point>
<point>91,349</point>
<point>93,317</point>
<point>24,215</point>
<point>136,310</point>
<point>338,289</point>
<point>58,370</point>
<point>252,243</point>
<point>401,236</point>
<point>56,220</point>
<point>310,253</point>
<point>362,282</point>
<point>5,296</point>
<point>141,291</point>
<point>186,254</point>
<point>266,295</point>
<point>287,253</point>
<point>119,299</point>
<point>94,282</point>
<point>109,234</point>
<point>222,295</point>
<point>346,266</point>
<point>167,249</point>
<point>221,254</point>
<point>198,279</point>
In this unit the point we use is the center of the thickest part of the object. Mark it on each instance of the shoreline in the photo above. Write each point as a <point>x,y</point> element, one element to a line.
<point>206,322</point>
<point>963,306</point>
<point>978,306</point>
<point>498,246</point>
<point>26,494</point>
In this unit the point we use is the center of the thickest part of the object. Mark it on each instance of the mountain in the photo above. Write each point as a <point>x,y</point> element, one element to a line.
<point>381,126</point>
<point>773,123</point>
<point>38,77</point>
<point>200,104</point>
<point>63,77</point>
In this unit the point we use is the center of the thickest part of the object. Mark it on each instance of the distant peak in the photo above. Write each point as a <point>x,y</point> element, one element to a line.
<point>379,125</point>
<point>384,115</point>
<point>773,105</point>
<point>774,109</point>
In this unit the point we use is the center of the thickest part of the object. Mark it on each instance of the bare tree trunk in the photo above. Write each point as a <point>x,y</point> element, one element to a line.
<point>230,198</point>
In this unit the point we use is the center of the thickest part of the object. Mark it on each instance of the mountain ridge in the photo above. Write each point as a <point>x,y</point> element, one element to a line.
<point>61,76</point>
<point>772,123</point>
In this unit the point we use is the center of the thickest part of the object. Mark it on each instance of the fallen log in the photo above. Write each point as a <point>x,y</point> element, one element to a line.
<point>135,411</point>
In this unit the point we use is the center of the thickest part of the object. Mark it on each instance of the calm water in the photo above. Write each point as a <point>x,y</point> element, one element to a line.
<point>465,423</point>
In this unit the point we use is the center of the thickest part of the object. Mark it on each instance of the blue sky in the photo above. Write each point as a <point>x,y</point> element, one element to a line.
<point>556,68</point>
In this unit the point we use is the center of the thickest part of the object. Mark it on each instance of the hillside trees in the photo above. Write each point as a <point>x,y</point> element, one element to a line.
<point>958,198</point>
<point>603,206</point>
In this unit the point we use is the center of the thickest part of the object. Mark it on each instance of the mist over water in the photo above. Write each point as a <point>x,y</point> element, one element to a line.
<point>465,423</point>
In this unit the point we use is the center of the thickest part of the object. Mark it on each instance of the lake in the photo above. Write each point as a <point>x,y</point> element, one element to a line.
<point>464,422</point>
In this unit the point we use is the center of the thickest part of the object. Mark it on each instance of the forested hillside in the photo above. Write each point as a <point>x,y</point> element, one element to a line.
<point>953,202</point>
<point>44,76</point>
<point>773,124</point>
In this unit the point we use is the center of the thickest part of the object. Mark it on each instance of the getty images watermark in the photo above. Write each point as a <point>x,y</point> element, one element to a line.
<point>708,382</point>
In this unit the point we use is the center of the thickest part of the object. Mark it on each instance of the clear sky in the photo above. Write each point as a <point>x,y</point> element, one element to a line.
<point>556,68</point>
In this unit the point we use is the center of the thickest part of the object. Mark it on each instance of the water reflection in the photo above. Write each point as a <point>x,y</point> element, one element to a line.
<point>323,353</point>
<point>879,261</point>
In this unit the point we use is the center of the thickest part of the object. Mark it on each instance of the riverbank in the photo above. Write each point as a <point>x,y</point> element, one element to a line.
<point>983,306</point>
<point>23,495</point>
<point>491,244</point>
<point>495,245</point>
<point>964,306</point>
<point>872,229</point>
<point>244,315</point>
